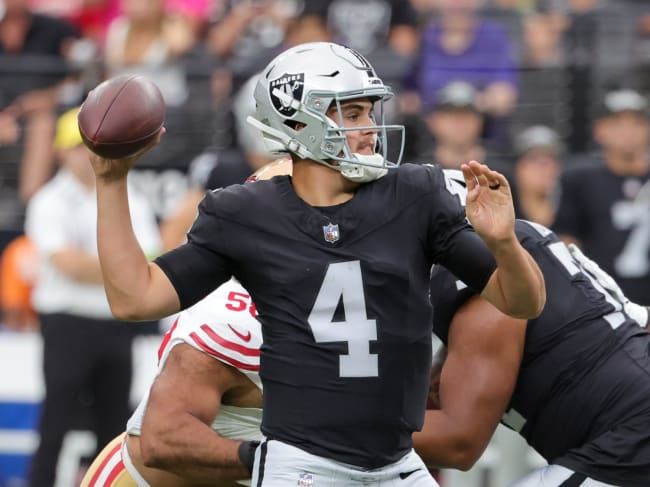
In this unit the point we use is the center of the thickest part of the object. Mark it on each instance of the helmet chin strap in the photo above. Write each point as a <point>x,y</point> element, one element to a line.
<point>371,166</point>
<point>371,169</point>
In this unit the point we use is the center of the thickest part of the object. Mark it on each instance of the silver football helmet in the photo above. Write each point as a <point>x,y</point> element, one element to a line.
<point>294,93</point>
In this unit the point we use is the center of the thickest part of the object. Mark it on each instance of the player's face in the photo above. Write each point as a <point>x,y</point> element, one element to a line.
<point>357,113</point>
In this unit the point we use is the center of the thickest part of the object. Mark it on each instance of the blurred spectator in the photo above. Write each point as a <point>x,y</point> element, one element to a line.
<point>149,40</point>
<point>642,54</point>
<point>536,174</point>
<point>247,33</point>
<point>459,45</point>
<point>91,17</point>
<point>196,13</point>
<point>598,40</point>
<point>543,96</point>
<point>17,275</point>
<point>605,206</point>
<point>523,6</point>
<point>33,49</point>
<point>212,102</point>
<point>454,128</point>
<point>218,168</point>
<point>385,31</point>
<point>86,353</point>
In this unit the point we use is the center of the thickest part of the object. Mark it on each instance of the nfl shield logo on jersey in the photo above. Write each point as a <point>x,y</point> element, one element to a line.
<point>305,480</point>
<point>331,232</point>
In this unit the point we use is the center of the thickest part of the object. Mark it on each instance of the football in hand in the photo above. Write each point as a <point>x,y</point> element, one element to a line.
<point>121,116</point>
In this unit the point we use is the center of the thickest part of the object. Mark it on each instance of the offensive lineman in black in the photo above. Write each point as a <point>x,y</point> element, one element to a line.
<point>336,258</point>
<point>575,382</point>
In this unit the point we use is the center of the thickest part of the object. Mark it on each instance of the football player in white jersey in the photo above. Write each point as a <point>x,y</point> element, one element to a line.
<point>204,401</point>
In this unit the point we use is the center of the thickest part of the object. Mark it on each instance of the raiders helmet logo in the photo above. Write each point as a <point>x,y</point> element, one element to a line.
<point>290,85</point>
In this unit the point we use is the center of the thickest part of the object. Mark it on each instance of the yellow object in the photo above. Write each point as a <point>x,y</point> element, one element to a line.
<point>67,130</point>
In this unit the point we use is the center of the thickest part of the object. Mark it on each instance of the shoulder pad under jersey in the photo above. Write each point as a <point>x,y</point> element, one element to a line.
<point>223,325</point>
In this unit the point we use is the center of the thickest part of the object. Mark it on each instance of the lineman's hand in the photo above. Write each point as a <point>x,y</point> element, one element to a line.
<point>489,207</point>
<point>108,170</point>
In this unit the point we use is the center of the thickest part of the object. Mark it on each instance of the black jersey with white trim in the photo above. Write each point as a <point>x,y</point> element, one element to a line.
<point>610,215</point>
<point>342,295</point>
<point>564,395</point>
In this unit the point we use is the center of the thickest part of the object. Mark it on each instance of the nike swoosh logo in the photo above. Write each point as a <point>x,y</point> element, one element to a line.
<point>405,475</point>
<point>246,337</point>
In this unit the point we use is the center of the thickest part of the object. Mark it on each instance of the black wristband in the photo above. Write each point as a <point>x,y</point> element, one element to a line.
<point>246,454</point>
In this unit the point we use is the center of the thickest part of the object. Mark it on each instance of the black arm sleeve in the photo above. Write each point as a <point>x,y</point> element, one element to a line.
<point>194,271</point>
<point>469,259</point>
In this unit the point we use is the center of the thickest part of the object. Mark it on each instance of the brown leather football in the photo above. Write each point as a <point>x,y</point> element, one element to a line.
<point>121,116</point>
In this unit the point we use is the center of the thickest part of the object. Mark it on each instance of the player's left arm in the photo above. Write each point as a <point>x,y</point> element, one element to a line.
<point>176,431</point>
<point>516,287</point>
<point>476,382</point>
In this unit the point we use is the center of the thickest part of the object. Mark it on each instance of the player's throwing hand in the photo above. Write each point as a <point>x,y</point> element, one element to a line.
<point>489,202</point>
<point>108,170</point>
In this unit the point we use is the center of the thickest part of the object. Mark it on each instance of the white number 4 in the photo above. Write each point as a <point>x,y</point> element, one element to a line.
<point>343,283</point>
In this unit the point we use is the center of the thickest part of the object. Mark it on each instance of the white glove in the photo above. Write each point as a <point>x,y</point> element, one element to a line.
<point>635,311</point>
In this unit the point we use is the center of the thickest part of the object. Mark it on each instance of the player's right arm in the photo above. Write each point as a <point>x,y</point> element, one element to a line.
<point>136,289</point>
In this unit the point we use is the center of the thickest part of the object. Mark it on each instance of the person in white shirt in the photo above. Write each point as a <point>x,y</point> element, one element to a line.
<point>86,352</point>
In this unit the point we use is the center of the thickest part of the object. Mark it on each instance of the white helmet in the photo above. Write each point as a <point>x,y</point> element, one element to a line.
<point>299,86</point>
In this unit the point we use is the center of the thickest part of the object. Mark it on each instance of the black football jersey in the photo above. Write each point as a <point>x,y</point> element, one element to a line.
<point>342,295</point>
<point>610,215</point>
<point>567,391</point>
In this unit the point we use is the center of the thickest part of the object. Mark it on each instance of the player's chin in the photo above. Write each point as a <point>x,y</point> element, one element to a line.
<point>365,151</point>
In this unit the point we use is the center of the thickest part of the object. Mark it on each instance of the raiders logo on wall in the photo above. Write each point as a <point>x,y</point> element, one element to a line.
<point>290,85</point>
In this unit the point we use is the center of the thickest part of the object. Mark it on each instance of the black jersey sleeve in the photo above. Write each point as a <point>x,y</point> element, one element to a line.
<point>194,271</point>
<point>201,265</point>
<point>454,242</point>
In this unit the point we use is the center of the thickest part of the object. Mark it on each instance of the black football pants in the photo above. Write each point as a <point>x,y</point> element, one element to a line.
<point>87,367</point>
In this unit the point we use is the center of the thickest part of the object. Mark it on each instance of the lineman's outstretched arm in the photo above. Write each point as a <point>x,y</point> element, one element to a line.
<point>476,382</point>
<point>136,289</point>
<point>517,285</point>
<point>176,432</point>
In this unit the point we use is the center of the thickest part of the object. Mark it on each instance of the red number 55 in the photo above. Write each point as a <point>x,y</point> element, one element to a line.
<point>240,302</point>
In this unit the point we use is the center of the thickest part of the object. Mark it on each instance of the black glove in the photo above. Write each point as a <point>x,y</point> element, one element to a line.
<point>246,453</point>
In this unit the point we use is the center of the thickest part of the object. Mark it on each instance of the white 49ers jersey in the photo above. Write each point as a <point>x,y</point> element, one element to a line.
<point>224,326</point>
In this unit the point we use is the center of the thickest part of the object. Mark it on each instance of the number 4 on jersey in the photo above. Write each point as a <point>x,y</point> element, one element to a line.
<point>343,283</point>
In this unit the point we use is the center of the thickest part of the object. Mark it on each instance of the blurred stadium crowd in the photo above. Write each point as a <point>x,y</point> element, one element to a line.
<point>518,84</point>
